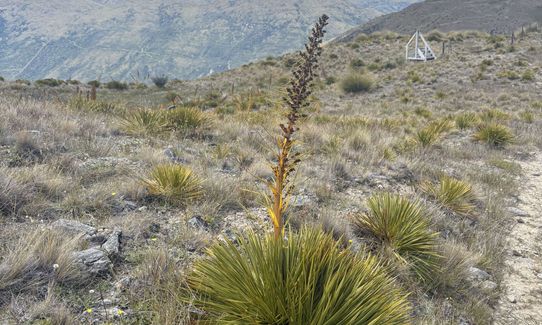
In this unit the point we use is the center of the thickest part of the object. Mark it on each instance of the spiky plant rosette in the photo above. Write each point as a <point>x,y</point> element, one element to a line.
<point>400,231</point>
<point>306,279</point>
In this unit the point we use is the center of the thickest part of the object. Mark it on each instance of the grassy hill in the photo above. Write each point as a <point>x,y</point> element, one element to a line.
<point>376,124</point>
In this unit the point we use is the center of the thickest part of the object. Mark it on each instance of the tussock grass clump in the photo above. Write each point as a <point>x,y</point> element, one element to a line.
<point>494,135</point>
<point>143,122</point>
<point>175,184</point>
<point>466,120</point>
<point>357,83</point>
<point>14,195</point>
<point>400,232</point>
<point>453,194</point>
<point>307,279</point>
<point>432,133</point>
<point>186,118</point>
<point>39,258</point>
<point>82,104</point>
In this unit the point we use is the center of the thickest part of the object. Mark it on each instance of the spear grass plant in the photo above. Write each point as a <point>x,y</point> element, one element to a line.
<point>175,184</point>
<point>453,194</point>
<point>297,98</point>
<point>399,231</point>
<point>494,135</point>
<point>304,280</point>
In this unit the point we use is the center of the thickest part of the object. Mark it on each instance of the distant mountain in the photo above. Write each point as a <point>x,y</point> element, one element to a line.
<point>118,39</point>
<point>500,16</point>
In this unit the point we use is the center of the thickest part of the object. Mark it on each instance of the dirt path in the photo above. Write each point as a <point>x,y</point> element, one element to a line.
<point>521,302</point>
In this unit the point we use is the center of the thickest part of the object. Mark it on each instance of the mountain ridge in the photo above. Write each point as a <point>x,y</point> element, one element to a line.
<point>116,40</point>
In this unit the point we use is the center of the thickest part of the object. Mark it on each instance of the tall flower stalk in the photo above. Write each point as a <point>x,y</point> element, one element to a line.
<point>297,98</point>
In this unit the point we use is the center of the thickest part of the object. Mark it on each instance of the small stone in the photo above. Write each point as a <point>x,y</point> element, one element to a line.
<point>488,286</point>
<point>516,253</point>
<point>197,222</point>
<point>512,299</point>
<point>519,220</point>
<point>539,275</point>
<point>112,245</point>
<point>475,274</point>
<point>142,209</point>
<point>517,212</point>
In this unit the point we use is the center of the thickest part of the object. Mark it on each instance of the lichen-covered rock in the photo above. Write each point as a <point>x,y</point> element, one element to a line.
<point>73,227</point>
<point>93,261</point>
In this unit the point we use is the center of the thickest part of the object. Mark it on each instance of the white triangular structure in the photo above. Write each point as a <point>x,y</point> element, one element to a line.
<point>418,49</point>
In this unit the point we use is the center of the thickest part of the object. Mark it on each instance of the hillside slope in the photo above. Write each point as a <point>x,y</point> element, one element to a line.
<point>117,39</point>
<point>501,16</point>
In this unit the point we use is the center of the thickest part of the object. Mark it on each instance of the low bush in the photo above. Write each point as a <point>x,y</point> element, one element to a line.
<point>174,184</point>
<point>116,85</point>
<point>306,279</point>
<point>94,83</point>
<point>160,81</point>
<point>357,83</point>
<point>50,82</point>
<point>398,231</point>
<point>357,63</point>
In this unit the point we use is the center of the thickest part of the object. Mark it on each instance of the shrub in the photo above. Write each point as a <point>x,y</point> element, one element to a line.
<point>330,80</point>
<point>174,184</point>
<point>186,118</point>
<point>116,85</point>
<point>528,75</point>
<point>495,135</point>
<point>508,74</point>
<point>290,62</point>
<point>466,120</point>
<point>453,194</point>
<point>143,122</point>
<point>400,231</point>
<point>50,82</point>
<point>2,79</point>
<point>413,76</point>
<point>94,83</point>
<point>436,36</point>
<point>357,63</point>
<point>357,83</point>
<point>160,81</point>
<point>307,279</point>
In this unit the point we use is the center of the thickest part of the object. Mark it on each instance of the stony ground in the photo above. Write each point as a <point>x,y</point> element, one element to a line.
<point>522,282</point>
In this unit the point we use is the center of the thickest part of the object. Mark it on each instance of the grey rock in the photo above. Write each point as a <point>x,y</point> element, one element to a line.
<point>73,227</point>
<point>512,299</point>
<point>517,212</point>
<point>488,286</point>
<point>475,274</point>
<point>112,244</point>
<point>197,222</point>
<point>142,209</point>
<point>93,261</point>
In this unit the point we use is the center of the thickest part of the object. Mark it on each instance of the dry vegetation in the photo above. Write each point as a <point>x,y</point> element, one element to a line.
<point>386,146</point>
